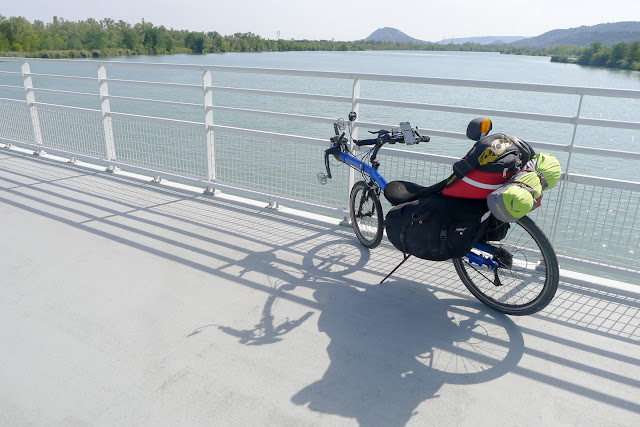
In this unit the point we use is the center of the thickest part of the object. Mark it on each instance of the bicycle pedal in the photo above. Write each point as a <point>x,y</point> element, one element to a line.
<point>322,178</point>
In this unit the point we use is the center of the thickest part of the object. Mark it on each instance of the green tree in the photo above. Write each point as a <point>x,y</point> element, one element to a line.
<point>634,52</point>
<point>149,37</point>
<point>195,42</point>
<point>95,38</point>
<point>585,58</point>
<point>220,44</point>
<point>19,33</point>
<point>130,39</point>
<point>618,53</point>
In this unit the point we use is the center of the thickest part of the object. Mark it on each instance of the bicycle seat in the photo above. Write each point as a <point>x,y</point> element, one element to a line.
<point>398,192</point>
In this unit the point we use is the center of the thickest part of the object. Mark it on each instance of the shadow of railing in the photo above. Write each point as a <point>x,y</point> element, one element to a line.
<point>392,345</point>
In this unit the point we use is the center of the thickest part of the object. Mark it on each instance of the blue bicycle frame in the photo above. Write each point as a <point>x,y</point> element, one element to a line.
<point>373,173</point>
<point>358,164</point>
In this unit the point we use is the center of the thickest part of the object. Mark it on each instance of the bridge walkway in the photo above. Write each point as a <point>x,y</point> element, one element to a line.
<point>124,301</point>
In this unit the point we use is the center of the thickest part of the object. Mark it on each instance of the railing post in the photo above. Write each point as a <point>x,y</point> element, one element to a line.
<point>107,123</point>
<point>565,181</point>
<point>209,137</point>
<point>33,111</point>
<point>355,106</point>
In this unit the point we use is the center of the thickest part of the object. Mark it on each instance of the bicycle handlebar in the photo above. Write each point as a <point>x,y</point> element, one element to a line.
<point>397,138</point>
<point>385,137</point>
<point>339,144</point>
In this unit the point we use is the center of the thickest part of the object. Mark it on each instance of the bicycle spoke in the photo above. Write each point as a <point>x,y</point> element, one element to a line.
<point>366,214</point>
<point>523,285</point>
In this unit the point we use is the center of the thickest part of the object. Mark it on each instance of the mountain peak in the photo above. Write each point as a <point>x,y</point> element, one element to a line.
<point>388,34</point>
<point>608,34</point>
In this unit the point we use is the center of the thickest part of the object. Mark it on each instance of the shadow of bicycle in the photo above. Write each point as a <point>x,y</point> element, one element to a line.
<point>392,345</point>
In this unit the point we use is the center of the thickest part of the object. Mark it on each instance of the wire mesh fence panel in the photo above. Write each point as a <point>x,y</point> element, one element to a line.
<point>281,167</point>
<point>164,146</point>
<point>600,224</point>
<point>423,172</point>
<point>15,121</point>
<point>74,131</point>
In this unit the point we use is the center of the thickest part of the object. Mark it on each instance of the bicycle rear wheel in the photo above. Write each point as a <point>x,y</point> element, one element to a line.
<point>527,277</point>
<point>366,214</point>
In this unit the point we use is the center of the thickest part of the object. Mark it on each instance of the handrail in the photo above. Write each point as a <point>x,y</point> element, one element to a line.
<point>64,92</point>
<point>608,123</point>
<point>154,101</point>
<point>316,119</point>
<point>604,182</point>
<point>155,84</point>
<point>156,119</point>
<point>60,77</point>
<point>14,101</point>
<point>128,130</point>
<point>66,107</point>
<point>262,92</point>
<point>467,110</point>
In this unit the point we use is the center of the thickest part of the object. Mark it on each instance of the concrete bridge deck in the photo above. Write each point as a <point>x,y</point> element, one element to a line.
<point>128,302</point>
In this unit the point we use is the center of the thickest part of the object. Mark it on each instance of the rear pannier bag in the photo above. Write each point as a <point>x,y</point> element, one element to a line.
<point>436,227</point>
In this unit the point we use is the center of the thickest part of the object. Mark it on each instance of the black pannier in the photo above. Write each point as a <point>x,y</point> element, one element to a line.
<point>436,227</point>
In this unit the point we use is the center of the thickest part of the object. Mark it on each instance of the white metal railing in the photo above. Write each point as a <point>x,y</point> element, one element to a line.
<point>275,166</point>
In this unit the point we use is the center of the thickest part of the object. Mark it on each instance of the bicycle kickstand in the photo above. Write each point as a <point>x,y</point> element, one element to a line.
<point>406,257</point>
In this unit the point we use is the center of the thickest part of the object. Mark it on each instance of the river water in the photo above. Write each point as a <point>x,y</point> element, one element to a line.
<point>463,65</point>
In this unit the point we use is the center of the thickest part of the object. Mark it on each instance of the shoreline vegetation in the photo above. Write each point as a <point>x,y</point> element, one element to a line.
<point>108,38</point>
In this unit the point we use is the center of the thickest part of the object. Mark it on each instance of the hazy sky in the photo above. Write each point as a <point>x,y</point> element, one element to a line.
<point>342,20</point>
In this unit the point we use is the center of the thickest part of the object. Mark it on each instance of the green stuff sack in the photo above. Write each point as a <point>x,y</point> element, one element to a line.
<point>516,198</point>
<point>520,194</point>
<point>547,166</point>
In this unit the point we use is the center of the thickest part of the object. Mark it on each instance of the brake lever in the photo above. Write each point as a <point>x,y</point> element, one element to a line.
<point>326,163</point>
<point>334,151</point>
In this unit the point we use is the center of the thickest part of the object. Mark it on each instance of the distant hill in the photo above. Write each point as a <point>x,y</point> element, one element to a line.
<point>388,34</point>
<point>609,34</point>
<point>483,40</point>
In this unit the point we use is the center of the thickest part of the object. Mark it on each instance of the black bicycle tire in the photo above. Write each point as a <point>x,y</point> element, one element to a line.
<point>551,278</point>
<point>361,187</point>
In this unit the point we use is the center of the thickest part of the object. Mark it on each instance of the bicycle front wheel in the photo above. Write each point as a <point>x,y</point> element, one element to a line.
<point>527,277</point>
<point>366,214</point>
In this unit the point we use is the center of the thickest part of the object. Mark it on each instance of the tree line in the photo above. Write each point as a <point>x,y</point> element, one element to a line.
<point>621,55</point>
<point>106,37</point>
